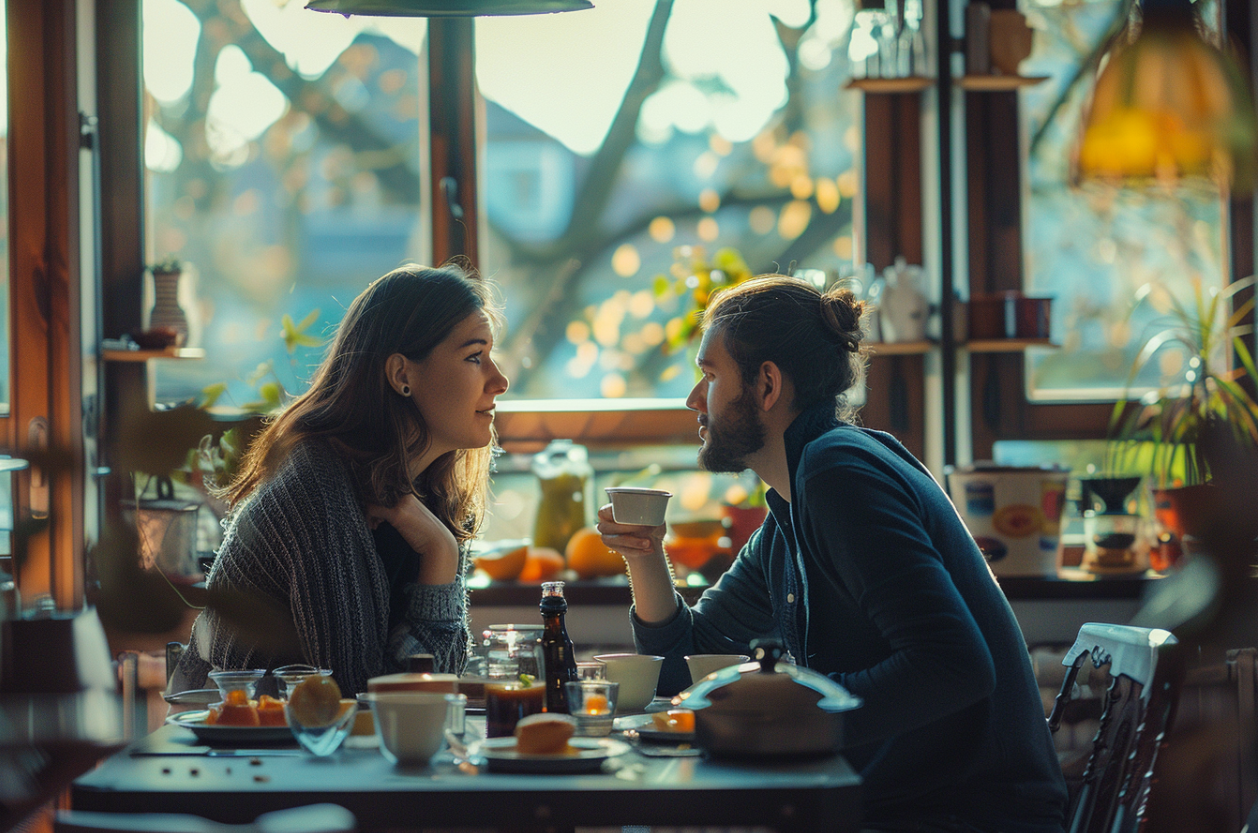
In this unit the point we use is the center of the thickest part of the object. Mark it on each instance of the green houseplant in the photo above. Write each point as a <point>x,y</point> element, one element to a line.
<point>1163,433</point>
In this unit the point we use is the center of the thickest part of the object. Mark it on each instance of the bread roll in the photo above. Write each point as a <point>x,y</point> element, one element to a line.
<point>544,734</point>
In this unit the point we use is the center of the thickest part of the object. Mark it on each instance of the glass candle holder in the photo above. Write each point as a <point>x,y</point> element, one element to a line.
<point>592,703</point>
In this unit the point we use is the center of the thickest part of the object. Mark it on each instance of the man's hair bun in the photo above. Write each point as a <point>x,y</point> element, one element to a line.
<point>841,312</point>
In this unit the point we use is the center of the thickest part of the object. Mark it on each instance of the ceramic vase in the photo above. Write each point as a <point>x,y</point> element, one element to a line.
<point>166,310</point>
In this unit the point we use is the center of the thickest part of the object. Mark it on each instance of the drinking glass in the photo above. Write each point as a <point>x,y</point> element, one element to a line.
<point>514,685</point>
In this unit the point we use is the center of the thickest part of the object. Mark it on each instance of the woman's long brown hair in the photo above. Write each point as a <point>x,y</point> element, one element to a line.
<point>350,403</point>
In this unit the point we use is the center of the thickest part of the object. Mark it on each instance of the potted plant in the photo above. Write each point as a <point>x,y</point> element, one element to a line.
<point>213,462</point>
<point>1163,433</point>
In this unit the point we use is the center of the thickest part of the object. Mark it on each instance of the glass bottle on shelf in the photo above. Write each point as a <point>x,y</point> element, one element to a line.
<point>911,42</point>
<point>558,655</point>
<point>863,46</point>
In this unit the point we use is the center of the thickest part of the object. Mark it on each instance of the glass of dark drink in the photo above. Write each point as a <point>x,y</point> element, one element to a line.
<point>507,702</point>
<point>514,685</point>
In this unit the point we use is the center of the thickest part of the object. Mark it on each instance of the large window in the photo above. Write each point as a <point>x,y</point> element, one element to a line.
<point>1111,259</point>
<point>283,150</point>
<point>286,157</point>
<point>604,187</point>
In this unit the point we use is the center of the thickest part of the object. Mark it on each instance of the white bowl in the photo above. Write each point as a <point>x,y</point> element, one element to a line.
<point>701,665</point>
<point>410,724</point>
<point>637,674</point>
<point>641,507</point>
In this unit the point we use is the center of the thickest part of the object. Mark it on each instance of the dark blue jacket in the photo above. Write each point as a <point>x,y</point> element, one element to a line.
<point>868,575</point>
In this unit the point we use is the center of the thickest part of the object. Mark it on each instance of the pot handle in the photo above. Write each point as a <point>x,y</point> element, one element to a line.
<point>767,651</point>
<point>165,489</point>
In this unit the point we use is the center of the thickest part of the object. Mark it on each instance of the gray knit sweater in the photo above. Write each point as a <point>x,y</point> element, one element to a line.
<point>302,540</point>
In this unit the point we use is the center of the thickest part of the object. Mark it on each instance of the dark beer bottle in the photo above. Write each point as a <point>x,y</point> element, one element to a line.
<point>557,652</point>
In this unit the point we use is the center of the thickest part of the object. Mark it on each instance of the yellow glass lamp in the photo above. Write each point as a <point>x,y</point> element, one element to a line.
<point>1170,106</point>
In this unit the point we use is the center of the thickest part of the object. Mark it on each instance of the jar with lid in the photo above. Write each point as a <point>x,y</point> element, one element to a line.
<point>565,478</point>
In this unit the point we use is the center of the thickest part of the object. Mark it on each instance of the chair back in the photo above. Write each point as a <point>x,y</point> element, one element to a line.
<point>314,818</point>
<point>1146,672</point>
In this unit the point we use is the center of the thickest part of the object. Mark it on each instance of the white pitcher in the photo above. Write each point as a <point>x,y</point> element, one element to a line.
<point>905,307</point>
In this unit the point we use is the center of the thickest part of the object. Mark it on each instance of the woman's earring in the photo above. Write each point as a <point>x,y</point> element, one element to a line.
<point>406,390</point>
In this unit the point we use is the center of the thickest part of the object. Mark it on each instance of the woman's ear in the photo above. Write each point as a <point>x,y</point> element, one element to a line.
<point>395,373</point>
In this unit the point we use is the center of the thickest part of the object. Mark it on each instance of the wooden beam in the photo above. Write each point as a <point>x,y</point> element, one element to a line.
<point>46,394</point>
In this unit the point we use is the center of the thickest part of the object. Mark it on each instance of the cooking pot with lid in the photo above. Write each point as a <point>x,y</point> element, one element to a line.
<point>768,708</point>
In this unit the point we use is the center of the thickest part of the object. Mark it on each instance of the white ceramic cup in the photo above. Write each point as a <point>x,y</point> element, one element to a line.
<point>637,674</point>
<point>411,724</point>
<point>701,665</point>
<point>641,507</point>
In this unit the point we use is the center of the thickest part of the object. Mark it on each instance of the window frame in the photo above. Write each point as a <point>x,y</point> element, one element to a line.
<point>46,356</point>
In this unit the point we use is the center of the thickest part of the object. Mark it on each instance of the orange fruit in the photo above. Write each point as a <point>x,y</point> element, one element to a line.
<point>674,720</point>
<point>541,564</point>
<point>590,557</point>
<point>502,566</point>
<point>316,701</point>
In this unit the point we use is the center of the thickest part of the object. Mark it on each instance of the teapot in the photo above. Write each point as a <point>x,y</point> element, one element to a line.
<point>768,708</point>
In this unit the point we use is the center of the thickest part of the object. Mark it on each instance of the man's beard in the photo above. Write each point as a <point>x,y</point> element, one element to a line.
<point>735,437</point>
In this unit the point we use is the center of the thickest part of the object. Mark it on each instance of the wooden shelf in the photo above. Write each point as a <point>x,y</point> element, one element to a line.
<point>998,83</point>
<point>1006,345</point>
<point>145,355</point>
<point>900,348</point>
<point>910,84</point>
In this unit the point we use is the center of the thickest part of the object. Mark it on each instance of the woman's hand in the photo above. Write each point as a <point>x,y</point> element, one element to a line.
<point>650,578</point>
<point>423,532</point>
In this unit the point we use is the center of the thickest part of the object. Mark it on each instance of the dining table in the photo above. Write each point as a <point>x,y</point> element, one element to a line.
<point>638,783</point>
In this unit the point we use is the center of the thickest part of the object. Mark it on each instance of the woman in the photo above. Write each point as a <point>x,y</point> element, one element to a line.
<point>351,511</point>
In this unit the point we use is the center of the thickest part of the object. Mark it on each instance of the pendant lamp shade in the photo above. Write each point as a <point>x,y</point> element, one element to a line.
<point>446,8</point>
<point>1170,106</point>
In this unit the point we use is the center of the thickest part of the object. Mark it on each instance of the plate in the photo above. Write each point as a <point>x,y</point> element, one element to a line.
<point>214,734</point>
<point>501,756</point>
<point>644,725</point>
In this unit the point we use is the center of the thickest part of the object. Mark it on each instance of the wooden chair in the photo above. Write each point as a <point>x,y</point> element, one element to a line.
<point>1146,672</point>
<point>1210,759</point>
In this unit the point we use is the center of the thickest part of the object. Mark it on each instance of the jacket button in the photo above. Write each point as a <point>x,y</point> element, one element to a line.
<point>790,598</point>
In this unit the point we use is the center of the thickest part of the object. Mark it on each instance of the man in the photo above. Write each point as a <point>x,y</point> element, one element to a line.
<point>862,569</point>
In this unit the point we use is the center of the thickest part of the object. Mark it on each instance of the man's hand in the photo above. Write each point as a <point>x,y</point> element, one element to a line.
<point>630,540</point>
<point>650,578</point>
<point>423,532</point>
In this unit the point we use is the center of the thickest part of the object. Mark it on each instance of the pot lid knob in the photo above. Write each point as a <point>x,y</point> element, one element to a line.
<point>767,651</point>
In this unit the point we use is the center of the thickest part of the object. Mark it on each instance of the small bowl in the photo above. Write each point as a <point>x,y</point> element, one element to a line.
<point>638,675</point>
<point>411,724</point>
<point>701,665</point>
<point>237,680</point>
<point>639,507</point>
<point>322,741</point>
